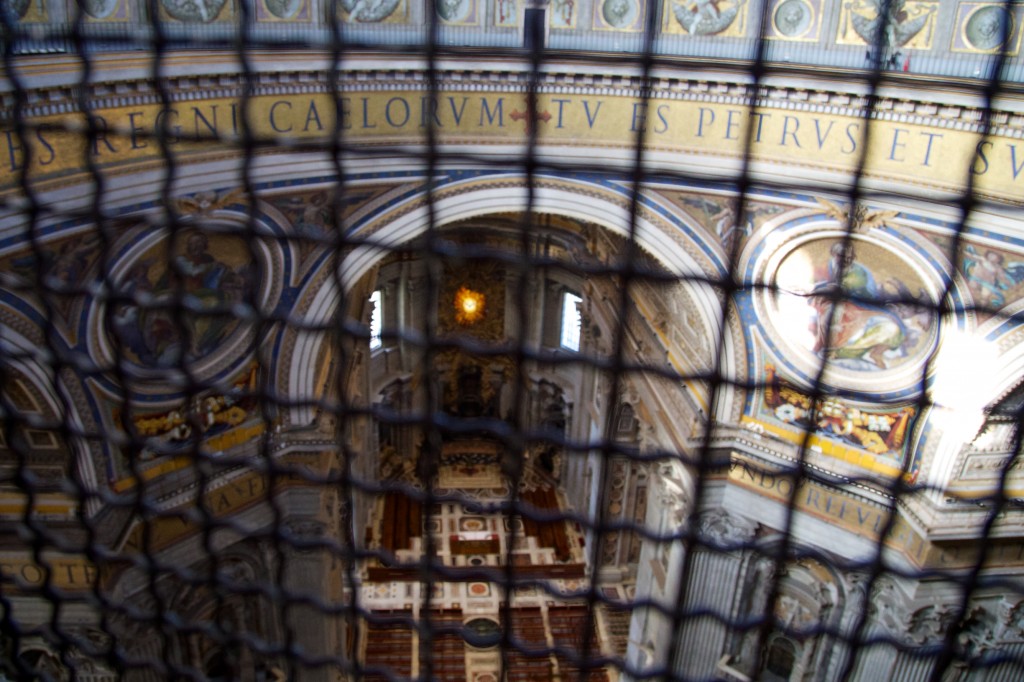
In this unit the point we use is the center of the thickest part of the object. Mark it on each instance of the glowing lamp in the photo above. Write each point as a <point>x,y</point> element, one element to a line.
<point>469,306</point>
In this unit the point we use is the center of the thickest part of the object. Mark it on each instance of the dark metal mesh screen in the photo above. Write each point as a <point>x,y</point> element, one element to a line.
<point>174,511</point>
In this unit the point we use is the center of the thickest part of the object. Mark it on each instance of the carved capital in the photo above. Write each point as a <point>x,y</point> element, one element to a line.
<point>929,624</point>
<point>980,631</point>
<point>720,528</point>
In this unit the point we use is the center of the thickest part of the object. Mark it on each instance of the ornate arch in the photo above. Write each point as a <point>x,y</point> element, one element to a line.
<point>605,204</point>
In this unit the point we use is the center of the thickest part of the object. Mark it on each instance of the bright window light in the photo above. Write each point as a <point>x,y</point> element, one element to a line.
<point>571,321</point>
<point>375,341</point>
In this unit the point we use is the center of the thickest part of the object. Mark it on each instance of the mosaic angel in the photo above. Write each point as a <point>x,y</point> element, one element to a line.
<point>990,277</point>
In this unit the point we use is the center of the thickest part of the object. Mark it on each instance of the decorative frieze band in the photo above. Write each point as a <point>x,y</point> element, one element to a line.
<point>48,102</point>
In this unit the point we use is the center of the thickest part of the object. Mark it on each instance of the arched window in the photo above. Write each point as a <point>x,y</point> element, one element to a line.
<point>571,321</point>
<point>375,320</point>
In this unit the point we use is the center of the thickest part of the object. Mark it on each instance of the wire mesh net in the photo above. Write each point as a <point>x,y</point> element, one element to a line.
<point>378,340</point>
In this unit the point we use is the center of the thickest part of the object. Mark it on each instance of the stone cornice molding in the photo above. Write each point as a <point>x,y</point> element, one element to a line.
<point>1007,120</point>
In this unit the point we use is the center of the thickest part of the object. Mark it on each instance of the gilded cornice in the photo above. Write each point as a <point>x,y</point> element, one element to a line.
<point>53,88</point>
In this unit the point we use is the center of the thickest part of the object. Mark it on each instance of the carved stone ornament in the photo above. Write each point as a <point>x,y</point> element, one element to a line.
<point>929,624</point>
<point>369,11</point>
<point>284,9</point>
<point>237,572</point>
<point>305,529</point>
<point>718,527</point>
<point>99,9</point>
<point>672,494</point>
<point>198,11</point>
<point>980,631</point>
<point>792,613</point>
<point>1013,622</point>
<point>704,17</point>
<point>885,603</point>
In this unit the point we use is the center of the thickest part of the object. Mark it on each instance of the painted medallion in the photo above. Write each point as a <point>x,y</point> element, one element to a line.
<point>208,273</point>
<point>854,304</point>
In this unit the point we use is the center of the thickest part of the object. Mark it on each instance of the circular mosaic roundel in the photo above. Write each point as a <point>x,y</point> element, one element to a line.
<point>858,306</point>
<point>181,303</point>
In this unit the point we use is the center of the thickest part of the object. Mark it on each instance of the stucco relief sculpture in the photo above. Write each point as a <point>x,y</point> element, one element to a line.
<point>910,24</point>
<point>369,11</point>
<point>929,624</point>
<point>988,28</point>
<point>793,18</point>
<point>198,11</point>
<point>619,14</point>
<point>283,9</point>
<point>455,11</point>
<point>718,528</point>
<point>99,9</point>
<point>707,17</point>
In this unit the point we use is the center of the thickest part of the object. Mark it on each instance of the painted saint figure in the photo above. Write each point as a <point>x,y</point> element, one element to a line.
<point>848,324</point>
<point>989,277</point>
<point>149,326</point>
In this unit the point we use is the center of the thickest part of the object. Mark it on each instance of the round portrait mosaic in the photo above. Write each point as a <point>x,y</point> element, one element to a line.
<point>857,305</point>
<point>181,302</point>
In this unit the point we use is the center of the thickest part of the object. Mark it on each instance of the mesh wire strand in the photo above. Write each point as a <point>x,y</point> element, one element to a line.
<point>210,614</point>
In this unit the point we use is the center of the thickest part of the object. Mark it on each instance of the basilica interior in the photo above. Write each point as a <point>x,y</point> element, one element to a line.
<point>511,340</point>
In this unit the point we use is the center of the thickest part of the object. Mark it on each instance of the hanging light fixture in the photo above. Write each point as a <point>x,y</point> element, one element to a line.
<point>469,306</point>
